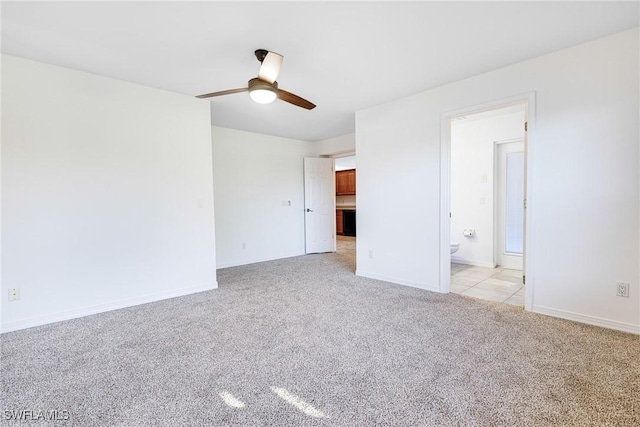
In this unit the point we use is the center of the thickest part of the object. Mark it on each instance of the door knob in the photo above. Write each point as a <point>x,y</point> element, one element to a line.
<point>309,210</point>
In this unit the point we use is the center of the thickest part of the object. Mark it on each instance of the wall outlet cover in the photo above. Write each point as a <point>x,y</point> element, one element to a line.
<point>622,289</point>
<point>14,294</point>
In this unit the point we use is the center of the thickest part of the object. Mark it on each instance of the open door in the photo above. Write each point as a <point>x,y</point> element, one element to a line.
<point>510,225</point>
<point>319,205</point>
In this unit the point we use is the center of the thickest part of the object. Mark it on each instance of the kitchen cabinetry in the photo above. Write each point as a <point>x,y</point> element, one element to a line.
<point>346,183</point>
<point>339,222</point>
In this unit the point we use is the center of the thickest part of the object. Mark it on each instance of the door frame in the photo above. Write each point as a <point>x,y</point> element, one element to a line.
<point>337,155</point>
<point>529,101</point>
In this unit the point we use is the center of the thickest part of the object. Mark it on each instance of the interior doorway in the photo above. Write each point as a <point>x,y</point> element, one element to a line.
<point>484,191</point>
<point>346,207</point>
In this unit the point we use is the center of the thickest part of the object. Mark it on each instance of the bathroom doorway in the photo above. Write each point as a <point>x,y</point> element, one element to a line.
<point>486,199</point>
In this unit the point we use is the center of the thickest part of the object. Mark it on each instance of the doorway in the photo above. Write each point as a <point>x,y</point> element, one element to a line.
<point>483,245</point>
<point>346,209</point>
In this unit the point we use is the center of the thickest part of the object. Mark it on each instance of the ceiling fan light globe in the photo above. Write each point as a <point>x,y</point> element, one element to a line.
<point>263,96</point>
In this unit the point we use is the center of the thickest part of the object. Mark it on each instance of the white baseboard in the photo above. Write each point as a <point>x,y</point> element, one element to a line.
<point>101,308</point>
<point>254,260</point>
<point>589,320</point>
<point>398,281</point>
<point>457,260</point>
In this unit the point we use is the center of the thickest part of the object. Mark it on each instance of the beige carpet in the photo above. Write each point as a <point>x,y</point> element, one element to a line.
<point>302,341</point>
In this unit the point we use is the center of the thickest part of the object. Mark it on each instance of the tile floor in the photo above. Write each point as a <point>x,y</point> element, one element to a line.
<point>493,284</point>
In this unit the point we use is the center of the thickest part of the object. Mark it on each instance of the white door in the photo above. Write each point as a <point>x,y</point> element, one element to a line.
<point>319,205</point>
<point>510,204</point>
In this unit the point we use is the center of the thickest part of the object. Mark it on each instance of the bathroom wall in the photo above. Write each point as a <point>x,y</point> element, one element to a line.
<point>472,179</point>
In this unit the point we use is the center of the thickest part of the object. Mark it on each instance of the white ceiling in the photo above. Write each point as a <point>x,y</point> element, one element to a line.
<point>342,56</point>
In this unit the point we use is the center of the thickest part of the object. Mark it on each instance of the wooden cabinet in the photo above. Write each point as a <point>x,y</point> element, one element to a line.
<point>339,222</point>
<point>346,183</point>
<point>341,184</point>
<point>351,182</point>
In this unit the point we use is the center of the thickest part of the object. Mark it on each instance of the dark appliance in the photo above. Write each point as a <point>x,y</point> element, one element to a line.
<point>349,222</point>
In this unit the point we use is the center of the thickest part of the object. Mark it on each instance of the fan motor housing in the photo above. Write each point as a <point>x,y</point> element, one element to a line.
<point>257,83</point>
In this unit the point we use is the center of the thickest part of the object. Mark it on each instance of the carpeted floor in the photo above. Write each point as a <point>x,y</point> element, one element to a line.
<point>302,341</point>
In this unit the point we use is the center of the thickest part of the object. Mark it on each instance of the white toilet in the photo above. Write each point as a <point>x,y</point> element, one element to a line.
<point>454,247</point>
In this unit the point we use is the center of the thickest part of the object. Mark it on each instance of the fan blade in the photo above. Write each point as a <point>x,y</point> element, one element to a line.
<point>270,67</point>
<point>223,92</point>
<point>295,100</point>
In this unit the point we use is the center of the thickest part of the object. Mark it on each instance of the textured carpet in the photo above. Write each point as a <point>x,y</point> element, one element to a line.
<point>302,341</point>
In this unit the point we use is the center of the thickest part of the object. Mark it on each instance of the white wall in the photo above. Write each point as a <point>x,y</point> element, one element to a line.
<point>337,145</point>
<point>346,200</point>
<point>255,177</point>
<point>345,163</point>
<point>472,201</point>
<point>107,194</point>
<point>583,193</point>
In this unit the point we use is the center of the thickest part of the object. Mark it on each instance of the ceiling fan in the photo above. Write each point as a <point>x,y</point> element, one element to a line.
<point>264,88</point>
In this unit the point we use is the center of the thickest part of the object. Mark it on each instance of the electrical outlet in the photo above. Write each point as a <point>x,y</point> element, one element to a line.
<point>622,289</point>
<point>371,254</point>
<point>244,246</point>
<point>14,294</point>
